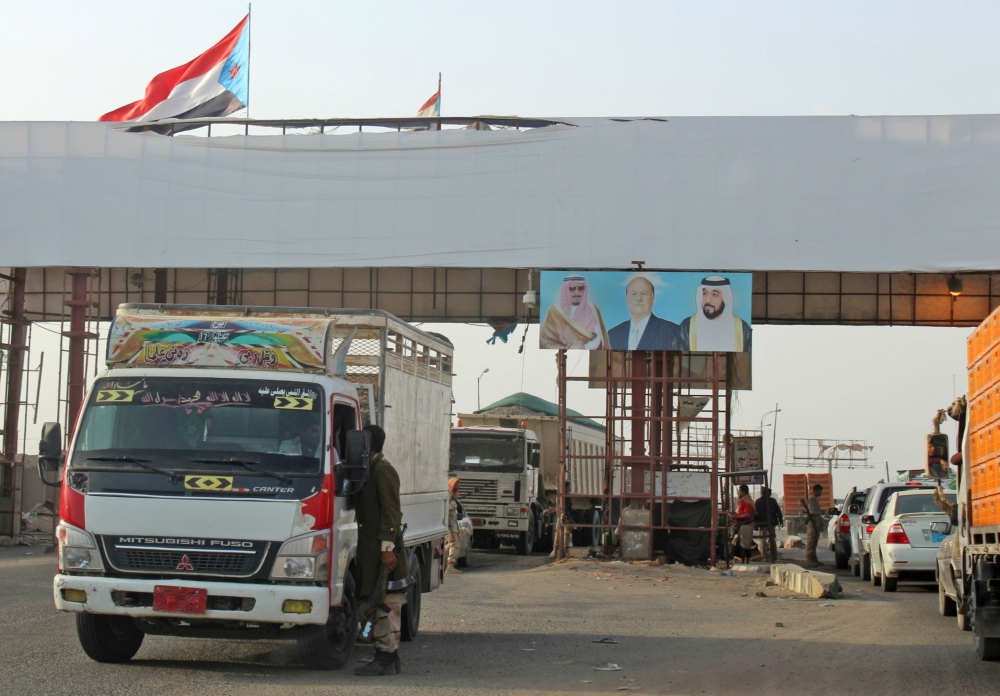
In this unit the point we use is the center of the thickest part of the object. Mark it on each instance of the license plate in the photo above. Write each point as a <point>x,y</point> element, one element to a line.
<point>179,600</point>
<point>937,537</point>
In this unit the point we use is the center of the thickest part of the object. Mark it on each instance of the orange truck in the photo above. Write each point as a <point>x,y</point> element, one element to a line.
<point>798,487</point>
<point>976,557</point>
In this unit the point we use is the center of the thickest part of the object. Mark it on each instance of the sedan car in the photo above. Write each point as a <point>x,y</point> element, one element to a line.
<point>464,538</point>
<point>902,545</point>
<point>839,529</point>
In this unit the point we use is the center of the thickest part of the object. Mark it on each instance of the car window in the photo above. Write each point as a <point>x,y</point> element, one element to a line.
<point>910,504</point>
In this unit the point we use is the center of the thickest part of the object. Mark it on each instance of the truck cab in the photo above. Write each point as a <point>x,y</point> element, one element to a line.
<point>498,472</point>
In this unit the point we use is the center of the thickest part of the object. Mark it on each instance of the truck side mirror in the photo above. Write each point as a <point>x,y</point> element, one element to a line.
<point>50,456</point>
<point>833,511</point>
<point>354,469</point>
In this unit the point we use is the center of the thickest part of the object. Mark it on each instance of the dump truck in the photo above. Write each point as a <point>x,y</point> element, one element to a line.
<point>976,520</point>
<point>506,457</point>
<point>208,485</point>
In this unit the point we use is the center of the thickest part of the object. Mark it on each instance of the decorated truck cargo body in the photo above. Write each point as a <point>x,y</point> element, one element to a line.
<point>976,549</point>
<point>208,485</point>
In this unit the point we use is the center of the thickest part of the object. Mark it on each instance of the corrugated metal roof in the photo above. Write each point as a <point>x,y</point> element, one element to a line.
<point>535,405</point>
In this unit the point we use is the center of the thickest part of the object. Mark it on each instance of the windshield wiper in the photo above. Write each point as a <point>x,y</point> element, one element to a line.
<point>172,476</point>
<point>250,466</point>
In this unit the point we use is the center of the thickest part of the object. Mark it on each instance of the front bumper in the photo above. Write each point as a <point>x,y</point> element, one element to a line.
<point>900,559</point>
<point>268,599</point>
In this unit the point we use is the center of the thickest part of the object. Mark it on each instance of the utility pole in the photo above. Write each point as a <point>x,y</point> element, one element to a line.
<point>478,380</point>
<point>774,438</point>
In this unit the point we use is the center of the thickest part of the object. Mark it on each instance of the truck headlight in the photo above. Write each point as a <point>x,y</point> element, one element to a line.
<point>303,558</point>
<point>512,511</point>
<point>77,549</point>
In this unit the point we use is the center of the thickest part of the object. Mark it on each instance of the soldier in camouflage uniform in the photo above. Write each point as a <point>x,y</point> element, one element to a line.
<point>380,542</point>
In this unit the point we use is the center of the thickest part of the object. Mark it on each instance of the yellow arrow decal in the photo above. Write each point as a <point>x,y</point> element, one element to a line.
<point>293,403</point>
<point>112,396</point>
<point>208,483</point>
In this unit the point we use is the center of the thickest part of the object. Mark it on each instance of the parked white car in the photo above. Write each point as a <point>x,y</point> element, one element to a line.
<point>903,546</point>
<point>876,498</point>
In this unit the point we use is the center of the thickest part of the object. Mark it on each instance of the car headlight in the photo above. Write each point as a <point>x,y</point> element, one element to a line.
<point>77,549</point>
<point>303,558</point>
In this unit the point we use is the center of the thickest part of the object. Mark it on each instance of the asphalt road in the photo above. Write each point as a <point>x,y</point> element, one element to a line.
<point>516,625</point>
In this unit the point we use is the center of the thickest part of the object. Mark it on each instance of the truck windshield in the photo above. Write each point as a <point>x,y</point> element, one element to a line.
<point>196,424</point>
<point>486,453</point>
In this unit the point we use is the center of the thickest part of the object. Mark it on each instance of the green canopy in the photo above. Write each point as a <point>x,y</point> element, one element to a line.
<point>522,404</point>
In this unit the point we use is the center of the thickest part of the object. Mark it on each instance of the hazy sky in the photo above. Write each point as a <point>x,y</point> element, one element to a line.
<point>75,61</point>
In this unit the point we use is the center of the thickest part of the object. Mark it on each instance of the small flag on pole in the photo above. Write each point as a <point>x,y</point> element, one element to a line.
<point>216,83</point>
<point>432,107</point>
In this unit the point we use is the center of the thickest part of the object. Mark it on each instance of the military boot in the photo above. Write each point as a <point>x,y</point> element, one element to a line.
<point>383,664</point>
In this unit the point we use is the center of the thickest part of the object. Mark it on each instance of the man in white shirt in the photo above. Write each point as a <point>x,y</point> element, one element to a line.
<point>644,330</point>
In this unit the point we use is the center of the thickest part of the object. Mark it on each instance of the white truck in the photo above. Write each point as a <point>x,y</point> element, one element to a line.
<point>208,485</point>
<point>506,458</point>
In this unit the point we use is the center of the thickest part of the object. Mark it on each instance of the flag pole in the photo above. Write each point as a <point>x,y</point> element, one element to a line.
<point>439,101</point>
<point>249,37</point>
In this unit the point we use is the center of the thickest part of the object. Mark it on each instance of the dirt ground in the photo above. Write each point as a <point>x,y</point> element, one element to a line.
<point>518,625</point>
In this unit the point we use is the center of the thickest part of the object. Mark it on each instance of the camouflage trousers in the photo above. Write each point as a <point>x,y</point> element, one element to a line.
<point>453,544</point>
<point>385,628</point>
<point>812,540</point>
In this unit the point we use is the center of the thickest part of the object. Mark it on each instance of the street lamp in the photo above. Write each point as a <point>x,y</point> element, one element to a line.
<point>479,406</point>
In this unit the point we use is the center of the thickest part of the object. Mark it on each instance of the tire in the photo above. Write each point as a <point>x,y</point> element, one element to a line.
<point>840,560</point>
<point>866,567</point>
<point>410,619</point>
<point>545,536</point>
<point>889,584</point>
<point>988,649</point>
<point>329,646</point>
<point>946,605</point>
<point>108,638</point>
<point>876,580</point>
<point>526,541</point>
<point>856,568</point>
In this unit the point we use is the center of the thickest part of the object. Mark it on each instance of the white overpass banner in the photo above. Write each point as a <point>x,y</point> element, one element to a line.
<point>614,310</point>
<point>885,194</point>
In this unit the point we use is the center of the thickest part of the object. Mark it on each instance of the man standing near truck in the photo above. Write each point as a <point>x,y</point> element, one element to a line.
<point>380,536</point>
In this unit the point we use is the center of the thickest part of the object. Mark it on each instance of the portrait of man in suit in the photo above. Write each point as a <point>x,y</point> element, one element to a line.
<point>644,330</point>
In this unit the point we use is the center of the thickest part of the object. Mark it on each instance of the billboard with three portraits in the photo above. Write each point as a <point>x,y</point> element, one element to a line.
<point>615,310</point>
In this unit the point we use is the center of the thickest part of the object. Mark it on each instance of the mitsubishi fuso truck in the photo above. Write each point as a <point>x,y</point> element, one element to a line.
<point>506,457</point>
<point>209,480</point>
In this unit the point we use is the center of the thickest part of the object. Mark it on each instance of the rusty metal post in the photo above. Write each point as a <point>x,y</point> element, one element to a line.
<point>714,481</point>
<point>222,286</point>
<point>15,375</point>
<point>560,530</point>
<point>638,479</point>
<point>78,335</point>
<point>160,286</point>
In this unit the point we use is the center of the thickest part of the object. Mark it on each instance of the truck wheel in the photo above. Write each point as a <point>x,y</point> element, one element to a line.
<point>946,605</point>
<point>545,537</point>
<point>108,638</point>
<point>526,541</point>
<point>410,619</point>
<point>866,567</point>
<point>889,584</point>
<point>988,649</point>
<point>329,646</point>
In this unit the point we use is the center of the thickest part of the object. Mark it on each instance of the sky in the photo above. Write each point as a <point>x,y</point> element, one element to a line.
<point>75,61</point>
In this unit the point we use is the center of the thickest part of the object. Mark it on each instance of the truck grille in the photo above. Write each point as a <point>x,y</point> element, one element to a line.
<point>147,558</point>
<point>473,490</point>
<point>480,510</point>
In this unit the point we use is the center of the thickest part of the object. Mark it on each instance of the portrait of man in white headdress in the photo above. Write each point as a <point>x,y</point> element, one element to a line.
<point>575,321</point>
<point>713,326</point>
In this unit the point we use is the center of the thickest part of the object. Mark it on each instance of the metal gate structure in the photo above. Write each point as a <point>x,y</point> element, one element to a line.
<point>668,424</point>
